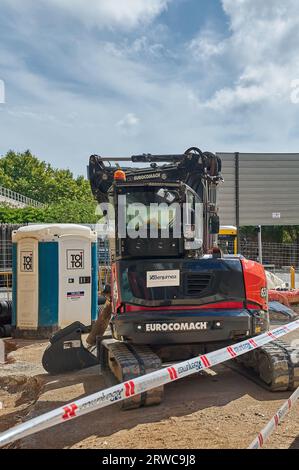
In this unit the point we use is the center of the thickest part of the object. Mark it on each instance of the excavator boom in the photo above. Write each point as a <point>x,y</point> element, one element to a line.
<point>194,168</point>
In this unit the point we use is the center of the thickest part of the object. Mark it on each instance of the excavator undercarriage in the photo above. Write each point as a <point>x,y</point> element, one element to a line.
<point>274,366</point>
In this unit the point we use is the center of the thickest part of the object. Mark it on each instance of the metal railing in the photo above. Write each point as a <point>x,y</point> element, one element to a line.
<point>18,198</point>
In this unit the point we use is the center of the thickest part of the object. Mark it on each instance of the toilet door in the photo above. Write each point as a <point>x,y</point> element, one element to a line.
<point>27,282</point>
<point>74,280</point>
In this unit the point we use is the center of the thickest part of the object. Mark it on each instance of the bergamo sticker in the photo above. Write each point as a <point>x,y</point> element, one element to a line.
<point>163,278</point>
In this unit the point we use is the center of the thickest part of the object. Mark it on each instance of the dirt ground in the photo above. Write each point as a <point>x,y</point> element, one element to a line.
<point>216,409</point>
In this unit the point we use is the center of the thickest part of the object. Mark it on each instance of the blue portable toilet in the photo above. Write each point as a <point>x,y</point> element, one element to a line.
<point>55,278</point>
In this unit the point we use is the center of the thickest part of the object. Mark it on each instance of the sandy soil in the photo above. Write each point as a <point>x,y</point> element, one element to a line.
<point>218,409</point>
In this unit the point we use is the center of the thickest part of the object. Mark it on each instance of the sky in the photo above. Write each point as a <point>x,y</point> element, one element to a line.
<point>121,77</point>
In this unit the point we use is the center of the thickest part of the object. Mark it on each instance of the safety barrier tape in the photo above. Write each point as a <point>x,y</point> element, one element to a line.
<point>262,437</point>
<point>141,384</point>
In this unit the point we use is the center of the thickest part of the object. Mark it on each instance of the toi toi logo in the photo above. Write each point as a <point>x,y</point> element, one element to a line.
<point>75,259</point>
<point>2,92</point>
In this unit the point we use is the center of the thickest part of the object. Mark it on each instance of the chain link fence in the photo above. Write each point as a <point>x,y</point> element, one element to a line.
<point>5,255</point>
<point>277,257</point>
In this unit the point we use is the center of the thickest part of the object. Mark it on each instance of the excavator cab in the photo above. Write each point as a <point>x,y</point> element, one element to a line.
<point>166,209</point>
<point>155,221</point>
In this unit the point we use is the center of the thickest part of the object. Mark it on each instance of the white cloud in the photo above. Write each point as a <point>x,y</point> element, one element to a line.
<point>240,95</point>
<point>262,52</point>
<point>128,124</point>
<point>72,91</point>
<point>295,91</point>
<point>98,13</point>
<point>2,92</point>
<point>206,44</point>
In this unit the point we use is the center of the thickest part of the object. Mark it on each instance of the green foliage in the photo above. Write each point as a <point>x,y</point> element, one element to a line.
<point>11,215</point>
<point>277,233</point>
<point>67,199</point>
<point>27,175</point>
<point>74,212</point>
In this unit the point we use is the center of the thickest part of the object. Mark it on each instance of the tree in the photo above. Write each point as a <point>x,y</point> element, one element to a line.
<point>34,178</point>
<point>67,199</point>
<point>75,212</point>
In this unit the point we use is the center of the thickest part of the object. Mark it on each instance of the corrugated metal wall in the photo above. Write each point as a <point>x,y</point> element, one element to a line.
<point>227,190</point>
<point>268,189</point>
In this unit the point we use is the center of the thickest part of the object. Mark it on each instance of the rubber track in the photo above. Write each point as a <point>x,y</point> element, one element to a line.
<point>133,361</point>
<point>148,362</point>
<point>278,359</point>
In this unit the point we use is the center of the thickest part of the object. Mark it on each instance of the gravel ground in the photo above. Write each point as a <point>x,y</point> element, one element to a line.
<point>218,409</point>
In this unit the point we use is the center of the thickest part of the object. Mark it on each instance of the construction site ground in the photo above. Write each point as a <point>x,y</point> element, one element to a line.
<point>215,409</point>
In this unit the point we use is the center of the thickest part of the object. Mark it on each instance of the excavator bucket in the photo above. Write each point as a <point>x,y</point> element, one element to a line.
<point>66,351</point>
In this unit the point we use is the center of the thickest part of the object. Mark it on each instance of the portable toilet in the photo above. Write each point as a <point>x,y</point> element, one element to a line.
<point>55,278</point>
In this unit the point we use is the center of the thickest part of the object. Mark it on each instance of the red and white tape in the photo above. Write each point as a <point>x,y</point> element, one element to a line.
<point>141,384</point>
<point>264,435</point>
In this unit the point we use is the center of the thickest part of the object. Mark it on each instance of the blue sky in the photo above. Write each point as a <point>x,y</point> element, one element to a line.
<point>118,77</point>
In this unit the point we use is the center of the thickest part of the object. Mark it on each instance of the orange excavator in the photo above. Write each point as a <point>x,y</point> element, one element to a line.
<point>174,295</point>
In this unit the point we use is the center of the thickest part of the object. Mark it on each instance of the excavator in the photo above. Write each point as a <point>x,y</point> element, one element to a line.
<point>174,293</point>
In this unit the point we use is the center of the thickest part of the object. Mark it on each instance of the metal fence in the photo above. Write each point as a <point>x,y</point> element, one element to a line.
<point>9,196</point>
<point>6,259</point>
<point>6,245</point>
<point>104,263</point>
<point>5,268</point>
<point>279,255</point>
<point>103,252</point>
<point>5,255</point>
